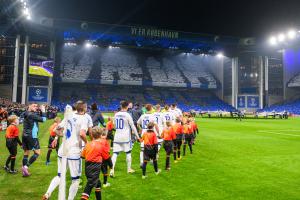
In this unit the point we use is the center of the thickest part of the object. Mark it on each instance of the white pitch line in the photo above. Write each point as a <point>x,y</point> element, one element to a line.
<point>287,130</point>
<point>276,133</point>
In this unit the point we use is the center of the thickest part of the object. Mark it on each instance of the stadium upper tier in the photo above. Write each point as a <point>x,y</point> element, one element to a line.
<point>291,107</point>
<point>120,66</point>
<point>109,97</point>
<point>295,81</point>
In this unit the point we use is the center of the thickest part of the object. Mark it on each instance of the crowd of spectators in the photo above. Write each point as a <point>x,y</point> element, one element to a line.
<point>109,97</point>
<point>7,108</point>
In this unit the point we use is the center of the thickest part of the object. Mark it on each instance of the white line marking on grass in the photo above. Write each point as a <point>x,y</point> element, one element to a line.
<point>272,132</point>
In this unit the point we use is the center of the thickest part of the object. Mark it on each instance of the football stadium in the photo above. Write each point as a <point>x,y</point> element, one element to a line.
<point>93,106</point>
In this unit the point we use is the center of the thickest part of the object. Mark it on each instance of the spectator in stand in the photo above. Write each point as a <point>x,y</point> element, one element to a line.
<point>3,114</point>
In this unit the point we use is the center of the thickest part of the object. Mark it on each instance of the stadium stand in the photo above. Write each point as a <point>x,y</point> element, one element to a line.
<point>125,68</point>
<point>195,74</point>
<point>109,97</point>
<point>290,107</point>
<point>295,81</point>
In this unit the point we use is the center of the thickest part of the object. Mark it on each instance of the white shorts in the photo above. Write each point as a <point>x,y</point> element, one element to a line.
<point>122,147</point>
<point>74,165</point>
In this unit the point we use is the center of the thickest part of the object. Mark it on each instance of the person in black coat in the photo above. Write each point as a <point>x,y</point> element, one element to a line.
<point>97,116</point>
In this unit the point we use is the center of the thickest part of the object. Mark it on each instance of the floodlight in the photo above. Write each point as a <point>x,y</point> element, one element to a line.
<point>273,40</point>
<point>220,55</point>
<point>281,37</point>
<point>88,45</point>
<point>292,34</point>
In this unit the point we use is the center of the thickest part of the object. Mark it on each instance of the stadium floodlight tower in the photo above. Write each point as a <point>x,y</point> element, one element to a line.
<point>26,11</point>
<point>282,38</point>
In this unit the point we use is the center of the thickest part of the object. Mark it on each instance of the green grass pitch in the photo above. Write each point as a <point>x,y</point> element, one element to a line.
<point>40,71</point>
<point>252,159</point>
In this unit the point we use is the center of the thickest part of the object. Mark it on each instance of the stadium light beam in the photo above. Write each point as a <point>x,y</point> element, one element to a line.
<point>273,40</point>
<point>220,55</point>
<point>281,37</point>
<point>88,45</point>
<point>26,11</point>
<point>28,17</point>
<point>292,34</point>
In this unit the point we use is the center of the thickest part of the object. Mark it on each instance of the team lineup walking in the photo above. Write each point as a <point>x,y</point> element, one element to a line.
<point>83,138</point>
<point>154,128</point>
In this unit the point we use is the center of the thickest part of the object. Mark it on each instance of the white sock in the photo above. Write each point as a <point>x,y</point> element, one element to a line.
<point>73,189</point>
<point>114,160</point>
<point>141,157</point>
<point>54,183</point>
<point>128,160</point>
<point>158,147</point>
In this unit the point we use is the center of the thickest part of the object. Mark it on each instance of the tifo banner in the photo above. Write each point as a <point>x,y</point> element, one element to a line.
<point>253,101</point>
<point>38,94</point>
<point>241,102</point>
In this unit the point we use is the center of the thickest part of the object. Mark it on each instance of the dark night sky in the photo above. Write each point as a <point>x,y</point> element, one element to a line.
<point>223,17</point>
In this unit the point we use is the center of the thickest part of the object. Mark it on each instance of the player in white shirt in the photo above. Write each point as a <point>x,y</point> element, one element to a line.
<point>142,123</point>
<point>168,115</point>
<point>161,123</point>
<point>159,118</point>
<point>122,139</point>
<point>176,111</point>
<point>75,127</point>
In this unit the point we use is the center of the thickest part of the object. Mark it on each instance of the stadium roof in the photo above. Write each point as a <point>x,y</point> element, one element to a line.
<point>143,36</point>
<point>111,34</point>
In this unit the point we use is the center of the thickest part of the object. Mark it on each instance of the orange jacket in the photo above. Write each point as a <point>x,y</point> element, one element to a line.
<point>168,134</point>
<point>94,151</point>
<point>12,131</point>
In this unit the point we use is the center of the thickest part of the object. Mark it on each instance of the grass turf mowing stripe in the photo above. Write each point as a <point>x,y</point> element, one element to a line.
<point>272,132</point>
<point>231,160</point>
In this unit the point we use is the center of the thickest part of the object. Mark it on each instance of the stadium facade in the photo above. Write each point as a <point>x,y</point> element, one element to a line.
<point>106,62</point>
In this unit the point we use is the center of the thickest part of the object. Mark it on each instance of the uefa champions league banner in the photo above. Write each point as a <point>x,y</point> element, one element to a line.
<point>253,101</point>
<point>38,94</point>
<point>241,101</point>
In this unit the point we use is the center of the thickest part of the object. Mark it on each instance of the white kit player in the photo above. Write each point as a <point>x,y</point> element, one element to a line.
<point>142,123</point>
<point>176,111</point>
<point>159,118</point>
<point>168,115</point>
<point>122,139</point>
<point>161,123</point>
<point>76,125</point>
